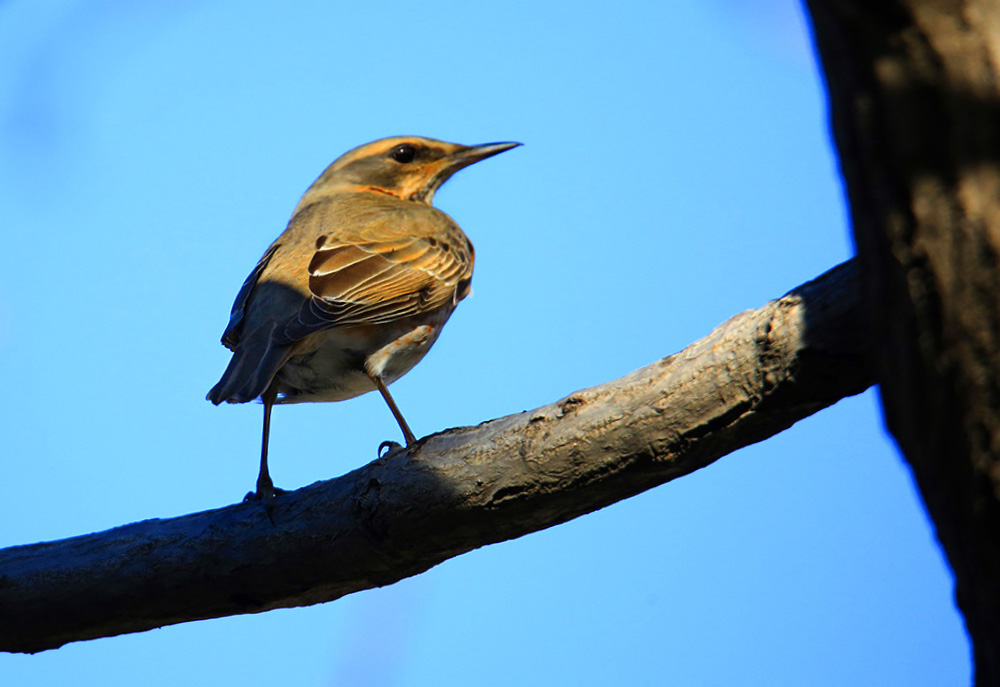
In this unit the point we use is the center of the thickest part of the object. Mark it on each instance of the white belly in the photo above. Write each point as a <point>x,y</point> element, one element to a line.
<point>343,360</point>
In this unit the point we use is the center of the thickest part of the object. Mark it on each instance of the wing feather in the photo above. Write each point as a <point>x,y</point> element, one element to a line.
<point>379,279</point>
<point>234,329</point>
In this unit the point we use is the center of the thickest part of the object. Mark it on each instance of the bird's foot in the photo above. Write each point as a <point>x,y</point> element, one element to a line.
<point>389,447</point>
<point>266,495</point>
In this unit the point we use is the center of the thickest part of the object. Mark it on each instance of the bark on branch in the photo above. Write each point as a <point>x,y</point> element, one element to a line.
<point>752,377</point>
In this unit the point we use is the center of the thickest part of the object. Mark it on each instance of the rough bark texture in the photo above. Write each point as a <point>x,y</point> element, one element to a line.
<point>754,376</point>
<point>915,102</point>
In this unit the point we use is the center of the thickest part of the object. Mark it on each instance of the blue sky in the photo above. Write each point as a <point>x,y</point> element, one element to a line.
<point>677,169</point>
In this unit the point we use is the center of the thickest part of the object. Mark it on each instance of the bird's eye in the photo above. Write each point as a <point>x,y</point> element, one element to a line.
<point>403,153</point>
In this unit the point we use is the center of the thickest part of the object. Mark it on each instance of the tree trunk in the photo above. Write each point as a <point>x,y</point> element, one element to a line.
<point>914,89</point>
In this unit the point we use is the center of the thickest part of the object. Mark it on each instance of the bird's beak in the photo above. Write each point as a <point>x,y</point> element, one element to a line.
<point>443,169</point>
<point>481,152</point>
<point>472,154</point>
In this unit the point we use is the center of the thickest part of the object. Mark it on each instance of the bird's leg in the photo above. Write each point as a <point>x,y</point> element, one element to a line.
<point>382,389</point>
<point>265,487</point>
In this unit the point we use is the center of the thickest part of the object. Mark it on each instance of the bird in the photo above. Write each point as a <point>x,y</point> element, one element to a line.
<point>357,288</point>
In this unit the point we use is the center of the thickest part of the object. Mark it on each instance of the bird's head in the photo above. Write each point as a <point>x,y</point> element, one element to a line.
<point>408,167</point>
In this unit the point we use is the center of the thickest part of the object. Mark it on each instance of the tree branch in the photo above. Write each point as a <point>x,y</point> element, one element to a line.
<point>755,375</point>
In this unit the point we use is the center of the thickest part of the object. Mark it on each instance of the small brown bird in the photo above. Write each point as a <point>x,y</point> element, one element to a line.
<point>356,290</point>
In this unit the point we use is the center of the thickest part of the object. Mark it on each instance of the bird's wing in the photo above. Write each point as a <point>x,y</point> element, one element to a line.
<point>231,337</point>
<point>380,276</point>
<point>247,376</point>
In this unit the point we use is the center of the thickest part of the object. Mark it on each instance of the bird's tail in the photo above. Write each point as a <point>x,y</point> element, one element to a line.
<point>251,369</point>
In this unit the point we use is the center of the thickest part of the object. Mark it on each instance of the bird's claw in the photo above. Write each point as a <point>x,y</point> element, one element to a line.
<point>266,498</point>
<point>268,495</point>
<point>389,447</point>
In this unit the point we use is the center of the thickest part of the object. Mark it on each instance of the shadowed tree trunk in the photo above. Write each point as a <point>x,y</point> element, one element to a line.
<point>914,88</point>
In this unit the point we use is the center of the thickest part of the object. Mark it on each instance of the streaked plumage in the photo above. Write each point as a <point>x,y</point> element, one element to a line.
<point>356,290</point>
